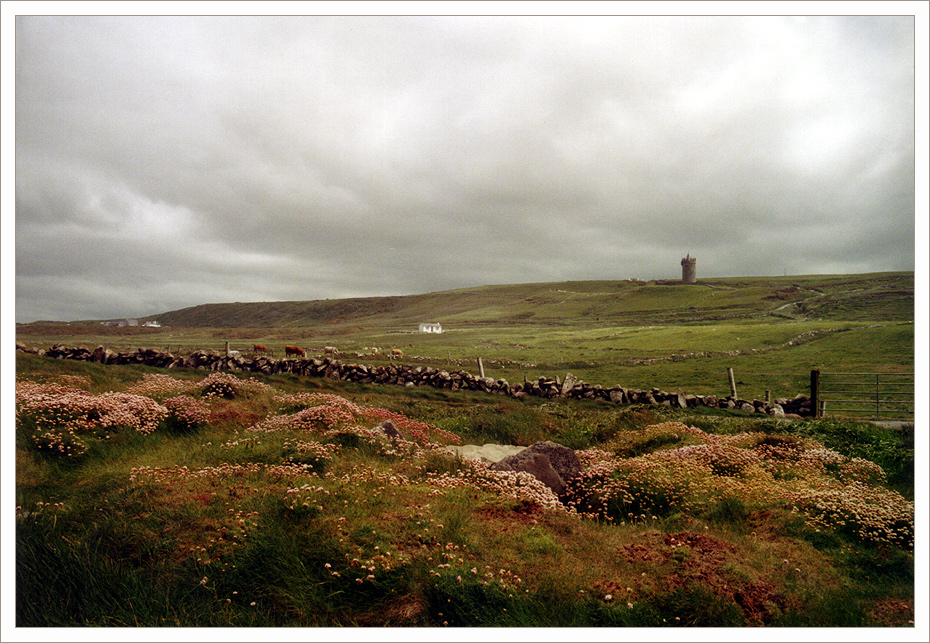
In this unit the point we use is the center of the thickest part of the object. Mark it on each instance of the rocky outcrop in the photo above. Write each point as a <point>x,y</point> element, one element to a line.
<point>410,375</point>
<point>552,464</point>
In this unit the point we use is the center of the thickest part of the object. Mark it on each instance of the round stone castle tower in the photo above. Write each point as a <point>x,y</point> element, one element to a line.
<point>689,270</point>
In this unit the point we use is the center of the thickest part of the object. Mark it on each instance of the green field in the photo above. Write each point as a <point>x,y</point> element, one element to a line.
<point>771,331</point>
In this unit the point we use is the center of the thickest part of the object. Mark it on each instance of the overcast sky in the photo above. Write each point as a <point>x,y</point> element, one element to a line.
<point>165,162</point>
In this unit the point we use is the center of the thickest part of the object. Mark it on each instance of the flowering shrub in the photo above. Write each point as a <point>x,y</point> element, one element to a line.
<point>316,419</point>
<point>328,414</point>
<point>62,418</point>
<point>220,385</point>
<point>296,401</point>
<point>833,491</point>
<point>160,387</point>
<point>187,414</point>
<point>870,514</point>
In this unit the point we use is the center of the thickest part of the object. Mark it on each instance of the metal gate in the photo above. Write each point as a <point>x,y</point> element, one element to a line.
<point>887,396</point>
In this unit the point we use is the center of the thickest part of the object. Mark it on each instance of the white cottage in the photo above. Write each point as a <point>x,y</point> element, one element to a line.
<point>430,328</point>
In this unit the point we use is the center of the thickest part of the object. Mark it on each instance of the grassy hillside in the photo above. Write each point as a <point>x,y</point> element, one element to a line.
<point>886,296</point>
<point>771,331</point>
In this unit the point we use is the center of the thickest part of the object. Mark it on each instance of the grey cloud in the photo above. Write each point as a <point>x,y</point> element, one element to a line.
<point>262,158</point>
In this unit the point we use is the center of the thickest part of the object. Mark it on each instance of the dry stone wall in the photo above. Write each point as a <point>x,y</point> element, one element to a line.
<point>410,375</point>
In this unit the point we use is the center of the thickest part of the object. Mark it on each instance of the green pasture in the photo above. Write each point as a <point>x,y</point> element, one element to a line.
<point>771,330</point>
<point>775,356</point>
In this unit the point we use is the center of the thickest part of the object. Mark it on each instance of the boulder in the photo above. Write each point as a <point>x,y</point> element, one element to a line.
<point>552,464</point>
<point>391,430</point>
<point>535,463</point>
<point>563,459</point>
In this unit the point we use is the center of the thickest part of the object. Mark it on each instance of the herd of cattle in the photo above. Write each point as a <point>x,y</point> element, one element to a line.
<point>297,351</point>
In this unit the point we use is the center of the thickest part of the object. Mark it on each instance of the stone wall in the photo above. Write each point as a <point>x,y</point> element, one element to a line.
<point>410,375</point>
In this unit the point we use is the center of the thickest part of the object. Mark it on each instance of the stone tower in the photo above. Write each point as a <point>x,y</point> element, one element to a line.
<point>689,270</point>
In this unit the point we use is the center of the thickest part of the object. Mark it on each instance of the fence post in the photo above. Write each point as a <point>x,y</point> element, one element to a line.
<point>480,368</point>
<point>815,393</point>
<point>732,383</point>
<point>227,349</point>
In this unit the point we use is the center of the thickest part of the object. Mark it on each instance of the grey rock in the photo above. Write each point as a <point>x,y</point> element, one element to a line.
<point>552,464</point>
<point>391,430</point>
<point>534,463</point>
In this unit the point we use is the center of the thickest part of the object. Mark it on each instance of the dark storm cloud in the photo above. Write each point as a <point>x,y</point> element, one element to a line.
<point>163,162</point>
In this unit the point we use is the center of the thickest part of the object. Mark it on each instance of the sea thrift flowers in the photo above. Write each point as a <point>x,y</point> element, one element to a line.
<point>220,385</point>
<point>63,418</point>
<point>327,414</point>
<point>186,412</point>
<point>158,386</point>
<point>689,470</point>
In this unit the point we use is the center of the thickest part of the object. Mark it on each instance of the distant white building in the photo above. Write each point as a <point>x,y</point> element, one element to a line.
<point>430,328</point>
<point>152,324</point>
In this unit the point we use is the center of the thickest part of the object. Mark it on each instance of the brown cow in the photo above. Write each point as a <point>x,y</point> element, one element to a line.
<point>294,350</point>
<point>259,348</point>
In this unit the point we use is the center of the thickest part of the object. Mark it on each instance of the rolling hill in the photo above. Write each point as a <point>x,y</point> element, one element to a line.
<point>881,296</point>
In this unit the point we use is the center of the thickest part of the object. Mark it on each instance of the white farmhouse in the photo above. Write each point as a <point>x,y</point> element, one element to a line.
<point>430,328</point>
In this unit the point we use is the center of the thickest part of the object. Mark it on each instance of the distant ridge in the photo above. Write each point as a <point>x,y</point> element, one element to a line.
<point>888,295</point>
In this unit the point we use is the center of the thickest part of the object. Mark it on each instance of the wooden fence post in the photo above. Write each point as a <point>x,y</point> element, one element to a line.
<point>480,368</point>
<point>732,383</point>
<point>815,393</point>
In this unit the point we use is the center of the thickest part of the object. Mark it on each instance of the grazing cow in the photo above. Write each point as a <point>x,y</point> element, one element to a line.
<point>294,350</point>
<point>259,348</point>
<point>396,352</point>
<point>331,350</point>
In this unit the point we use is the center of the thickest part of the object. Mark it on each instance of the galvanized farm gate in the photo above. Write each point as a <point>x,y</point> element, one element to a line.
<point>887,396</point>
